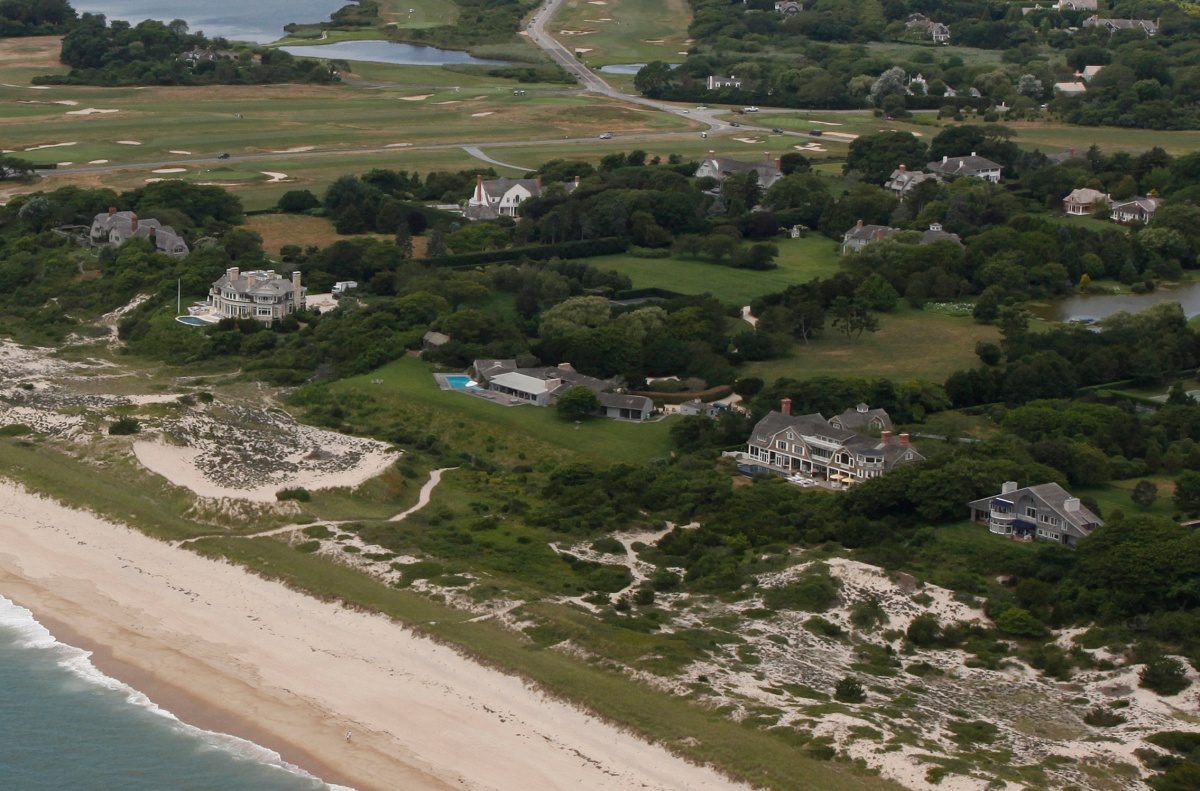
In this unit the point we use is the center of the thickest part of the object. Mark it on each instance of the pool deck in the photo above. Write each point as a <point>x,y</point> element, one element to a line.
<point>501,399</point>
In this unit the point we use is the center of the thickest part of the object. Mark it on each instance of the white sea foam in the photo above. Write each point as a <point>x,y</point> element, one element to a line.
<point>31,634</point>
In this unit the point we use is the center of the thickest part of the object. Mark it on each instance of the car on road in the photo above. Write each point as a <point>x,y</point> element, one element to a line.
<point>750,109</point>
<point>223,156</point>
<point>815,132</point>
<point>702,107</point>
<point>777,130</point>
<point>685,112</point>
<point>734,123</point>
<point>606,136</point>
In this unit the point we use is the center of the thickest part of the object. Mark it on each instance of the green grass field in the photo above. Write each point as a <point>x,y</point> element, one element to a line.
<point>623,31</point>
<point>910,344</point>
<point>524,434</point>
<point>800,260</point>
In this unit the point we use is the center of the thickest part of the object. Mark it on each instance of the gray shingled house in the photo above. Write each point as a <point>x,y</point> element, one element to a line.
<point>543,385</point>
<point>1046,512</point>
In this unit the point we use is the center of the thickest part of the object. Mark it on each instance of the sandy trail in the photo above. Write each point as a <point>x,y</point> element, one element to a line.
<point>435,477</point>
<point>297,673</point>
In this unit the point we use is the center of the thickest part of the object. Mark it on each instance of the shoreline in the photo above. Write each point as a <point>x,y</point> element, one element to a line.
<point>227,651</point>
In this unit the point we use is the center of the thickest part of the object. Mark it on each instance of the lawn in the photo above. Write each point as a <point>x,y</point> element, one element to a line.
<point>513,434</point>
<point>910,344</point>
<point>1117,496</point>
<point>623,31</point>
<point>800,260</point>
<point>1050,137</point>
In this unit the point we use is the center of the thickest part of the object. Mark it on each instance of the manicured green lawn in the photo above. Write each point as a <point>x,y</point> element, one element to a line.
<point>623,31</point>
<point>800,260</point>
<point>467,422</point>
<point>1052,137</point>
<point>910,344</point>
<point>1117,495</point>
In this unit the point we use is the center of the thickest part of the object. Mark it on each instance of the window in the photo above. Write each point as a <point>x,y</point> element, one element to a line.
<point>1030,511</point>
<point>263,311</point>
<point>781,445</point>
<point>1048,520</point>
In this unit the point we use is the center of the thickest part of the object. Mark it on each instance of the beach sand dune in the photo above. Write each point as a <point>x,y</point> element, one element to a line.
<point>230,651</point>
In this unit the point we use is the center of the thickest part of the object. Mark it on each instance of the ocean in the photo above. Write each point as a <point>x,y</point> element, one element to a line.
<point>260,20</point>
<point>68,727</point>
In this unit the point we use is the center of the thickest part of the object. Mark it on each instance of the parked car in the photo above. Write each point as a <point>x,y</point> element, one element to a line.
<point>750,109</point>
<point>734,123</point>
<point>685,112</point>
<point>702,107</point>
<point>223,156</point>
<point>815,132</point>
<point>777,130</point>
<point>606,136</point>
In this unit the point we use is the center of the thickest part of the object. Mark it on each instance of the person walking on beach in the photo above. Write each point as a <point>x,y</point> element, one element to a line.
<point>349,735</point>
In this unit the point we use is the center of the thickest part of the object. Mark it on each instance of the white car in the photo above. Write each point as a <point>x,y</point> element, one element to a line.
<point>750,109</point>
<point>685,112</point>
<point>702,107</point>
<point>606,136</point>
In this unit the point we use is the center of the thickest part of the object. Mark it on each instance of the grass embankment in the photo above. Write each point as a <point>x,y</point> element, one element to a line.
<point>623,31</point>
<point>765,759</point>
<point>800,260</point>
<point>910,344</point>
<point>408,395</point>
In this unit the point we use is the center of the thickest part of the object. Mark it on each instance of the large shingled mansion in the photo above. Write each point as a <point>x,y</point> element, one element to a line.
<point>830,450</point>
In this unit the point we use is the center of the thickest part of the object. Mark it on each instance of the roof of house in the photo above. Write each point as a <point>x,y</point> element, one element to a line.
<point>502,371</point>
<point>814,425</point>
<point>868,233</point>
<point>521,382</point>
<point>1086,196</point>
<point>862,415</point>
<point>963,166</point>
<point>435,338</point>
<point>620,401</point>
<point>256,283</point>
<point>937,234</point>
<point>903,179</point>
<point>1055,497</point>
<point>1070,87</point>
<point>1148,205</point>
<point>724,166</point>
<point>1064,156</point>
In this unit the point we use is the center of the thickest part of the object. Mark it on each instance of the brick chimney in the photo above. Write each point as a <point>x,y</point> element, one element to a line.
<point>778,163</point>
<point>479,188</point>
<point>786,406</point>
<point>903,168</point>
<point>112,210</point>
<point>133,224</point>
<point>766,156</point>
<point>859,224</point>
<point>539,183</point>
<point>712,154</point>
<point>232,273</point>
<point>904,438</point>
<point>566,367</point>
<point>885,436</point>
<point>296,286</point>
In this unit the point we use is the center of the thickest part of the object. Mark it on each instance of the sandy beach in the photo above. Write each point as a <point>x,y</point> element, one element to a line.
<point>229,651</point>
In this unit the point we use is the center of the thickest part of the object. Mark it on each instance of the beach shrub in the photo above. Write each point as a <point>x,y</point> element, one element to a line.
<point>1165,675</point>
<point>973,732</point>
<point>813,591</point>
<point>298,493</point>
<point>14,430</point>
<point>308,547</point>
<point>125,425</point>
<point>1101,717</point>
<point>818,625</point>
<point>848,690</point>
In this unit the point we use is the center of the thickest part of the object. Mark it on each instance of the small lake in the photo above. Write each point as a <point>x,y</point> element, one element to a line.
<point>389,52</point>
<point>261,20</point>
<point>1100,306</point>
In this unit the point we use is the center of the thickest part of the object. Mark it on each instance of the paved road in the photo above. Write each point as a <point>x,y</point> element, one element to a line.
<point>475,152</point>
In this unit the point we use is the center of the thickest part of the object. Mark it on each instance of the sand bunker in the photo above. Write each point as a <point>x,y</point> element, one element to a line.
<point>398,145</point>
<point>274,177</point>
<point>753,140</point>
<point>825,123</point>
<point>810,147</point>
<point>294,150</point>
<point>90,111</point>
<point>51,145</point>
<point>128,142</point>
<point>579,50</point>
<point>64,164</point>
<point>173,151</point>
<point>98,162</point>
<point>154,181</point>
<point>653,41</point>
<point>481,115</point>
<point>450,101</point>
<point>170,170</point>
<point>67,102</point>
<point>416,98</point>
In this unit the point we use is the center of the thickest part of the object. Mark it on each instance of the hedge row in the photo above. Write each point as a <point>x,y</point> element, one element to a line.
<point>585,248</point>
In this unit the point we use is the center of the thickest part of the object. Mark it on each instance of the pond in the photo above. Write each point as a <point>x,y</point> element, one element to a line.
<point>261,21</point>
<point>389,52</point>
<point>1083,307</point>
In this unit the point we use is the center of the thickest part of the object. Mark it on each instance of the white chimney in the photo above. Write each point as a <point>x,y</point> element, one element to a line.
<point>945,159</point>
<point>1009,487</point>
<point>1071,505</point>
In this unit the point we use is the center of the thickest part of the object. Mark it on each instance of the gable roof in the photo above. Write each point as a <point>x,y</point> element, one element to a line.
<point>963,166</point>
<point>1086,196</point>
<point>1054,497</point>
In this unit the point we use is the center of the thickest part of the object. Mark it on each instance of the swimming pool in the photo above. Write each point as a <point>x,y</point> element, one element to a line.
<point>460,382</point>
<point>192,321</point>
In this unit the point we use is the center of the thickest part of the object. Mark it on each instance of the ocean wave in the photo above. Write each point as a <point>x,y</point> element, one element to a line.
<point>29,633</point>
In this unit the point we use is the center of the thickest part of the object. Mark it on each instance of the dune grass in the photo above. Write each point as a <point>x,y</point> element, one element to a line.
<point>910,344</point>
<point>800,260</point>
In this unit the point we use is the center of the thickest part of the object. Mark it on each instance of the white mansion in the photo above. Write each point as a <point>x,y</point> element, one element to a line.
<point>260,295</point>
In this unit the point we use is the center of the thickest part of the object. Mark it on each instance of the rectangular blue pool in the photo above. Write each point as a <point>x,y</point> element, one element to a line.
<point>460,382</point>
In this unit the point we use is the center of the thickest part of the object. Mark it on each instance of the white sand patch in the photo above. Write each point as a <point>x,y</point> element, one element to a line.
<point>128,142</point>
<point>274,178</point>
<point>653,41</point>
<point>170,170</point>
<point>174,151</point>
<point>98,162</point>
<point>450,101</point>
<point>826,123</point>
<point>64,164</point>
<point>753,140</point>
<point>294,150</point>
<point>67,102</point>
<point>597,2</point>
<point>417,98</point>
<point>250,454</point>
<point>90,111</point>
<point>154,180</point>
<point>841,136</point>
<point>481,115</point>
<point>51,145</point>
<point>398,145</point>
<point>583,49</point>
